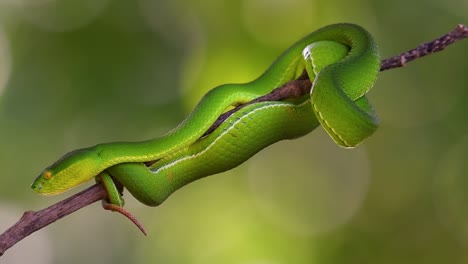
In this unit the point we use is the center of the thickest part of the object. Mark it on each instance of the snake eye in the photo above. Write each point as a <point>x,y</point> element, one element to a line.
<point>47,175</point>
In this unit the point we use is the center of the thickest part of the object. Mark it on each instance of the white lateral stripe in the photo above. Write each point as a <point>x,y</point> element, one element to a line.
<point>175,162</point>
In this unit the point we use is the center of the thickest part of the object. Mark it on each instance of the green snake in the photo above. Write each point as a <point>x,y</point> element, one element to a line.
<point>341,61</point>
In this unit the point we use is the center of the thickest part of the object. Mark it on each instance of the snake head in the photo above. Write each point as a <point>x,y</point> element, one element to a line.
<point>72,169</point>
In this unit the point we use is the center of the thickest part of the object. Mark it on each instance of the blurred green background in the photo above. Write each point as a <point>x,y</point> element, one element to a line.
<point>77,73</point>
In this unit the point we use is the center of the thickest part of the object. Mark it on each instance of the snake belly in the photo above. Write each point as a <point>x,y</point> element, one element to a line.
<point>231,144</point>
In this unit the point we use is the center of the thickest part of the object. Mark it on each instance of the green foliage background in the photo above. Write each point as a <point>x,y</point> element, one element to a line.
<point>77,73</point>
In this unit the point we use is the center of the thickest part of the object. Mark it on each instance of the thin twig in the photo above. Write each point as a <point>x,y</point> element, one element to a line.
<point>292,89</point>
<point>459,33</point>
<point>302,85</point>
<point>32,221</point>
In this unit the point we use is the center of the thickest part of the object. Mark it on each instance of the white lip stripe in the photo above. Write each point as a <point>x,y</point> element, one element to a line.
<point>222,134</point>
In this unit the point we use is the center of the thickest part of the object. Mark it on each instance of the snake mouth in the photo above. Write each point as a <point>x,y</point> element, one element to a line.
<point>38,186</point>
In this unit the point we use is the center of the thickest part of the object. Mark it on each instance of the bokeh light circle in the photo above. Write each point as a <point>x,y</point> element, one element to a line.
<point>308,186</point>
<point>63,15</point>
<point>450,190</point>
<point>263,19</point>
<point>414,94</point>
<point>5,61</point>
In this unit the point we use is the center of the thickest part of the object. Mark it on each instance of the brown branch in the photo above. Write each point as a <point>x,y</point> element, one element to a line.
<point>292,89</point>
<point>459,33</point>
<point>302,85</point>
<point>33,221</point>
